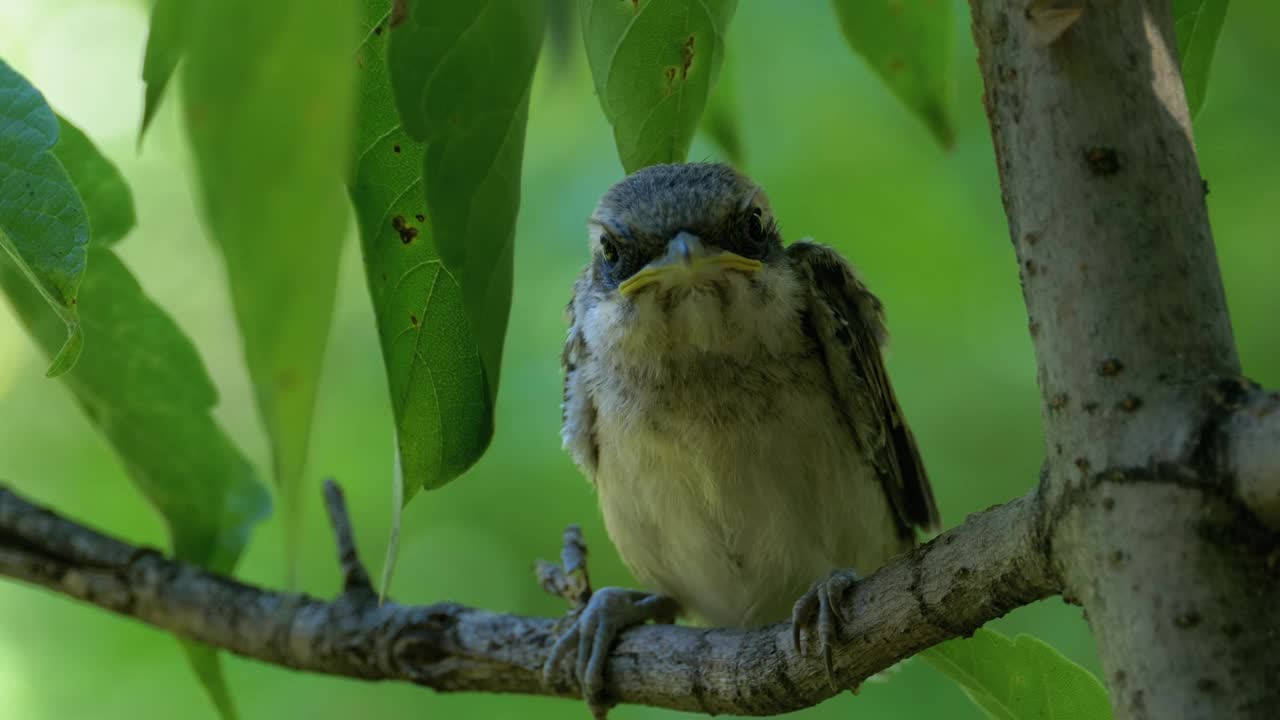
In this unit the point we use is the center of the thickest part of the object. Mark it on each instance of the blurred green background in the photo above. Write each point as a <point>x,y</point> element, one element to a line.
<point>842,161</point>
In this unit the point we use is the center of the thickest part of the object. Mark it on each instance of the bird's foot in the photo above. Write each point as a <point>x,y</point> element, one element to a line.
<point>592,631</point>
<point>818,612</point>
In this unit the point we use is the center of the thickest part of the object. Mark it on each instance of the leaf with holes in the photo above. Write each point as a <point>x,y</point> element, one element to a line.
<point>1198,23</point>
<point>269,117</point>
<point>654,63</point>
<point>1020,679</point>
<point>43,225</point>
<point>908,44</point>
<point>461,76</point>
<point>443,413</point>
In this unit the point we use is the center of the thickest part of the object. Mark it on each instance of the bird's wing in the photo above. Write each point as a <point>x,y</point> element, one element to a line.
<point>578,412</point>
<point>848,324</point>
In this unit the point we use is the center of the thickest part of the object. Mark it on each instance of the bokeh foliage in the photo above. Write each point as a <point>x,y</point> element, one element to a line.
<point>840,161</point>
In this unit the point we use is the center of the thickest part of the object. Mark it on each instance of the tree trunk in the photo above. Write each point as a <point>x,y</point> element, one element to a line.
<point>1136,361</point>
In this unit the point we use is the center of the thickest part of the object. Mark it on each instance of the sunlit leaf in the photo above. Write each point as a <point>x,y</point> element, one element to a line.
<point>443,413</point>
<point>166,42</point>
<point>654,64</point>
<point>1020,679</point>
<point>269,117</point>
<point>908,44</point>
<point>1198,23</point>
<point>43,226</point>
<point>461,76</point>
<point>145,388</point>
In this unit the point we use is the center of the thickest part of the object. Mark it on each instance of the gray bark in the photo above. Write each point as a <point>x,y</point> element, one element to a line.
<point>1148,456</point>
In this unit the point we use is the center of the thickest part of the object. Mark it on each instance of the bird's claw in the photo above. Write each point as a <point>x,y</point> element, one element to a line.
<point>818,611</point>
<point>592,631</point>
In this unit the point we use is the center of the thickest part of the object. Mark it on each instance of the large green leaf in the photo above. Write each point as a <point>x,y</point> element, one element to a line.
<point>145,388</point>
<point>1198,23</point>
<point>166,42</point>
<point>268,91</point>
<point>461,74</point>
<point>1020,679</point>
<point>908,44</point>
<point>443,413</point>
<point>654,64</point>
<point>43,226</point>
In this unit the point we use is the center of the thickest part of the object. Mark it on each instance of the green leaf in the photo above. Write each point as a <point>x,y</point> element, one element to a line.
<point>443,413</point>
<point>654,63</point>
<point>461,75</point>
<point>269,118</point>
<point>166,42</point>
<point>908,44</point>
<point>1198,23</point>
<point>101,187</point>
<point>43,225</point>
<point>1020,679</point>
<point>145,388</point>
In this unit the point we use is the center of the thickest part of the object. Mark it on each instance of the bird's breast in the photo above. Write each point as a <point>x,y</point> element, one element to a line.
<point>732,486</point>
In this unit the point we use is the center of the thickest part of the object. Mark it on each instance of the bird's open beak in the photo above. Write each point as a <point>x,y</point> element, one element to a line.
<point>687,256</point>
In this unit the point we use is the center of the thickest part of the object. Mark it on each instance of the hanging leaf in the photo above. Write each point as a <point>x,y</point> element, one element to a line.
<point>461,76</point>
<point>908,44</point>
<point>443,414</point>
<point>654,64</point>
<point>1198,23</point>
<point>43,226</point>
<point>269,117</point>
<point>1020,679</point>
<point>144,387</point>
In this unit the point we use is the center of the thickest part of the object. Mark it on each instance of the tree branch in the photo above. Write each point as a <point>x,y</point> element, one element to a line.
<point>992,563</point>
<point>1161,482</point>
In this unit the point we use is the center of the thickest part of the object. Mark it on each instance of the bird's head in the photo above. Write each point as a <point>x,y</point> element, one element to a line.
<point>685,254</point>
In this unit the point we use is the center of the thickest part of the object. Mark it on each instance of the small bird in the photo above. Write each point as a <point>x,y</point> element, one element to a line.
<point>727,398</point>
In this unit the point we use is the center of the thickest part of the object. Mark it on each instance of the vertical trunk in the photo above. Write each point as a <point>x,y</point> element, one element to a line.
<point>1136,361</point>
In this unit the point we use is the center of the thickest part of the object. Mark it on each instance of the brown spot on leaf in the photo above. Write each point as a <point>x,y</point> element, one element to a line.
<point>406,231</point>
<point>395,149</point>
<point>399,12</point>
<point>421,217</point>
<point>413,320</point>
<point>688,57</point>
<point>377,30</point>
<point>670,75</point>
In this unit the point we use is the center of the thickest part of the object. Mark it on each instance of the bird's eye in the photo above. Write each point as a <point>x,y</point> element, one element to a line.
<point>755,225</point>
<point>609,250</point>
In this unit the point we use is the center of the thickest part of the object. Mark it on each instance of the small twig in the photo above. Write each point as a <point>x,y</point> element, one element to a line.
<point>354,577</point>
<point>570,579</point>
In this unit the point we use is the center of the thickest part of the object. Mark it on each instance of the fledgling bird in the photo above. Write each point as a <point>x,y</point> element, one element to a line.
<point>728,400</point>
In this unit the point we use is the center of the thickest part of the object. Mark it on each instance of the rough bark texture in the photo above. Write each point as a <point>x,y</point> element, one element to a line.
<point>949,587</point>
<point>1137,364</point>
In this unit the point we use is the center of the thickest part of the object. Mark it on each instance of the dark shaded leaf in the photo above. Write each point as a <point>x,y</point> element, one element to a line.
<point>654,63</point>
<point>1020,679</point>
<point>1198,23</point>
<point>461,76</point>
<point>43,226</point>
<point>908,44</point>
<point>269,116</point>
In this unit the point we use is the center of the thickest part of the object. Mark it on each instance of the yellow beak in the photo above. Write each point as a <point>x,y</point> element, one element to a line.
<point>687,256</point>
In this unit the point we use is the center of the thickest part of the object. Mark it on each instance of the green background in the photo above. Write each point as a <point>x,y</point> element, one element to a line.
<point>842,162</point>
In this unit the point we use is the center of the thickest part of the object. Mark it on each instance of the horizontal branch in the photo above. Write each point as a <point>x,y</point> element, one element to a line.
<point>994,562</point>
